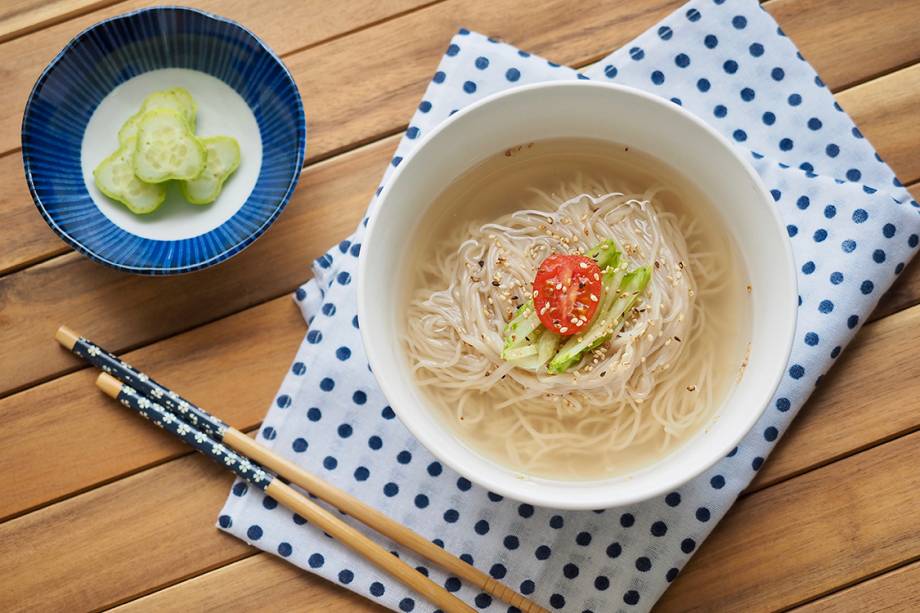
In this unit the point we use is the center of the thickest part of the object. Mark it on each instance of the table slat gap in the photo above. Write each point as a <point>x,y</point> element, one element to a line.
<point>23,25</point>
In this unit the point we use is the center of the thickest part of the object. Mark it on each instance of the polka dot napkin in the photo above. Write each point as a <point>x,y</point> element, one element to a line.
<point>852,227</point>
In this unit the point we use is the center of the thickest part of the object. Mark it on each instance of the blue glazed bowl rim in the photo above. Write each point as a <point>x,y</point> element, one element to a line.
<point>214,259</point>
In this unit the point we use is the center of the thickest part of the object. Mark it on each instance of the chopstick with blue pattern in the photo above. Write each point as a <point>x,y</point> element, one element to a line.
<point>240,465</point>
<point>254,474</point>
<point>144,385</point>
<point>246,458</point>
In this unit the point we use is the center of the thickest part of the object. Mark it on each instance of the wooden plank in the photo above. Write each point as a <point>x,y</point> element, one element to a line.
<point>805,537</point>
<point>350,101</point>
<point>402,61</point>
<point>120,310</point>
<point>885,111</point>
<point>350,96</point>
<point>26,238</point>
<point>233,366</point>
<point>828,528</point>
<point>18,17</point>
<point>841,52</point>
<point>258,583</point>
<point>872,395</point>
<point>118,541</point>
<point>355,96</point>
<point>898,590</point>
<point>298,25</point>
<point>861,403</point>
<point>79,423</point>
<point>134,313</point>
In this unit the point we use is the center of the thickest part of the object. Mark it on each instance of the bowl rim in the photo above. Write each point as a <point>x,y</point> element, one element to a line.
<point>227,252</point>
<point>715,453</point>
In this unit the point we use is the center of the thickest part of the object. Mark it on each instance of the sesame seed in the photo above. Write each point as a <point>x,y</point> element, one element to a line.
<point>585,265</point>
<point>563,330</point>
<point>593,298</point>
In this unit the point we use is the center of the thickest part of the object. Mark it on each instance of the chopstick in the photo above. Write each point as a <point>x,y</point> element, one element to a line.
<point>256,476</point>
<point>214,428</point>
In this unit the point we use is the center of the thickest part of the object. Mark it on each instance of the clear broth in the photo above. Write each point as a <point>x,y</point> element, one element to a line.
<point>499,185</point>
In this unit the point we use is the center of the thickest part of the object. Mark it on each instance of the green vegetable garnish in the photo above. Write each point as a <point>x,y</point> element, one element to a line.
<point>115,178</point>
<point>167,148</point>
<point>223,158</point>
<point>527,342</point>
<point>606,322</point>
<point>176,99</point>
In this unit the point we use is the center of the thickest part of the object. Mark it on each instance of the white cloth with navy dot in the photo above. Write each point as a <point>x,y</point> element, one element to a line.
<point>852,227</point>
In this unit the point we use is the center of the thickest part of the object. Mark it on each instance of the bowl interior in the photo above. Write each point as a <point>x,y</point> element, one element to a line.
<point>621,115</point>
<point>99,80</point>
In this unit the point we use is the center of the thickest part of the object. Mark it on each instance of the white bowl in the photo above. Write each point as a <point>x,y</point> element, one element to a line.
<point>621,115</point>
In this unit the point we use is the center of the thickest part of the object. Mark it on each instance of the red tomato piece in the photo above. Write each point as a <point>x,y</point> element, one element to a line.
<point>566,292</point>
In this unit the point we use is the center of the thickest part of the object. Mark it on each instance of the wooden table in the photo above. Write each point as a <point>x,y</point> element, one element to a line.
<point>99,510</point>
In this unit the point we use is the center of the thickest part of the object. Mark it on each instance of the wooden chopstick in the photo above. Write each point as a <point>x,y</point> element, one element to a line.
<point>215,428</point>
<point>256,476</point>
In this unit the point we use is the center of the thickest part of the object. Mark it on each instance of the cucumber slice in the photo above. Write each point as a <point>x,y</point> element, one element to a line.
<point>115,178</point>
<point>166,148</point>
<point>606,323</point>
<point>223,159</point>
<point>523,329</point>
<point>176,99</point>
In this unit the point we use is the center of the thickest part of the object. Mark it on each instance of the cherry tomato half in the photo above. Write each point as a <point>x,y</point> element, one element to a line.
<point>566,292</point>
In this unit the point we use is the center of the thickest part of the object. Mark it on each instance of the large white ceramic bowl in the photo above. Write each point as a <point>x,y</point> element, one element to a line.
<point>621,115</point>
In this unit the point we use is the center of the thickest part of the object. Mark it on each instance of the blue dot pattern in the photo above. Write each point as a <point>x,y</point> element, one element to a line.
<point>618,559</point>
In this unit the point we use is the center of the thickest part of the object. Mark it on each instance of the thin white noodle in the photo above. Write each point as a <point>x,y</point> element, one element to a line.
<point>636,389</point>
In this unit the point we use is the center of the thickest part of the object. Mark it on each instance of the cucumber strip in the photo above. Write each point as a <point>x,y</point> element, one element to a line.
<point>547,346</point>
<point>531,362</point>
<point>114,177</point>
<point>166,148</point>
<point>176,99</point>
<point>523,329</point>
<point>536,354</point>
<point>608,322</point>
<point>223,159</point>
<point>604,254</point>
<point>520,352</point>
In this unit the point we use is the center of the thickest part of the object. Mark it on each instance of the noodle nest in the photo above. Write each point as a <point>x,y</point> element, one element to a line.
<point>648,385</point>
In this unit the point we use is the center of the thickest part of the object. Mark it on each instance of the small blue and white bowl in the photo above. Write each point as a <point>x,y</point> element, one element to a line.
<point>99,80</point>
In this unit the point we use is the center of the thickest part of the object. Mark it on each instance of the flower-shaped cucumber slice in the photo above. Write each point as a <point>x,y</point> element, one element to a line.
<point>223,159</point>
<point>176,99</point>
<point>115,178</point>
<point>167,148</point>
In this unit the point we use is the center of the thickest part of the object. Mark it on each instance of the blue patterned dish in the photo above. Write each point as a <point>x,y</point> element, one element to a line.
<point>99,79</point>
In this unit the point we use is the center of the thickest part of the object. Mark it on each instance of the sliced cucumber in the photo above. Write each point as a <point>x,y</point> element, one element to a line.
<point>608,321</point>
<point>167,148</point>
<point>223,159</point>
<point>114,177</point>
<point>176,99</point>
<point>523,329</point>
<point>605,254</point>
<point>547,346</point>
